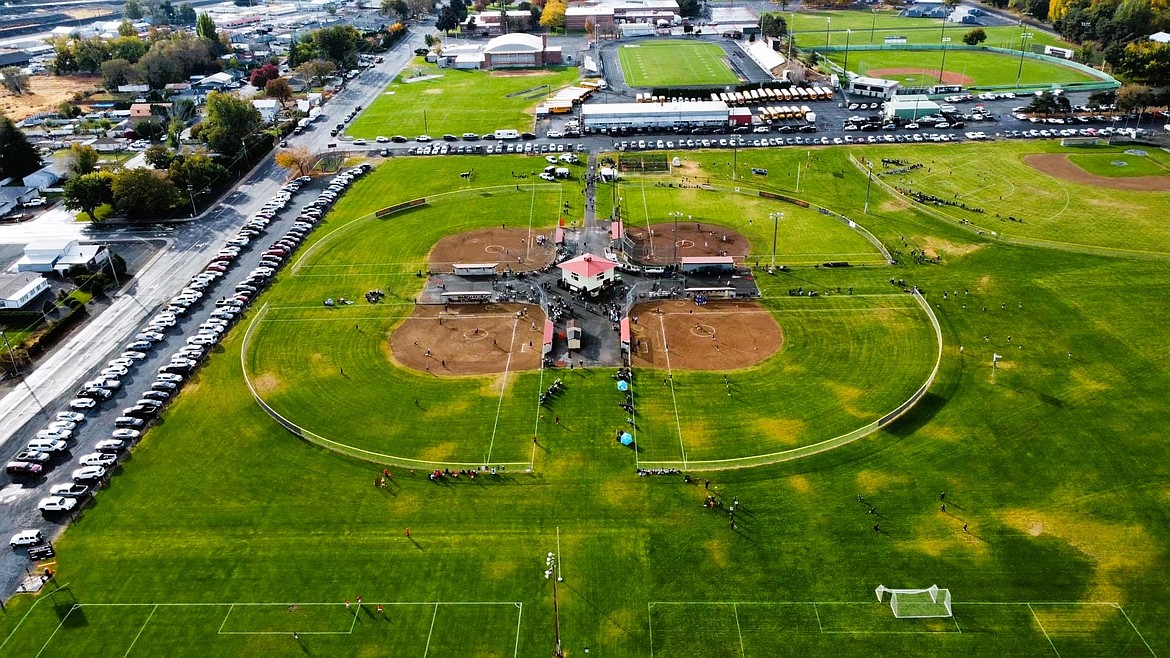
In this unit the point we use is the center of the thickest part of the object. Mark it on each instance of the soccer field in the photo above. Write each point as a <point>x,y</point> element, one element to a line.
<point>675,63</point>
<point>223,534</point>
<point>872,27</point>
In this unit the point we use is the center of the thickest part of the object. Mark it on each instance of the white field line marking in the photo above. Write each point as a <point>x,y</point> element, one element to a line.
<point>519,616</point>
<point>225,618</point>
<point>1041,625</point>
<point>531,212</point>
<point>1135,630</point>
<point>536,427</point>
<point>673,398</point>
<point>650,624</point>
<point>26,614</point>
<point>148,618</point>
<point>431,631</point>
<point>738,630</point>
<point>503,389</point>
<point>54,634</point>
<point>818,614</point>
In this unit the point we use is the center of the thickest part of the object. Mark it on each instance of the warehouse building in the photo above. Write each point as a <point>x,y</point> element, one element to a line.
<point>910,107</point>
<point>607,116</point>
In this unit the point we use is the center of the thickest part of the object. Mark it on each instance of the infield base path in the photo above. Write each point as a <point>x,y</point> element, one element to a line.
<point>469,339</point>
<point>1059,166</point>
<point>720,335</point>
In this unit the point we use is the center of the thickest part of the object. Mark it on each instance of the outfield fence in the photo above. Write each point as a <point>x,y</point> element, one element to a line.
<point>828,444</point>
<point>341,448</point>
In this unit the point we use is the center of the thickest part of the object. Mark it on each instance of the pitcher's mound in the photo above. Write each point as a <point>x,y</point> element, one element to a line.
<point>721,335</point>
<point>470,339</point>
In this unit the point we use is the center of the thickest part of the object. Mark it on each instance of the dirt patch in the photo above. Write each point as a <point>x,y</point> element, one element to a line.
<point>1059,166</point>
<point>948,77</point>
<point>472,339</point>
<point>267,383</point>
<point>46,93</point>
<point>724,335</point>
<point>658,242</point>
<point>933,246</point>
<point>432,91</point>
<point>512,248</point>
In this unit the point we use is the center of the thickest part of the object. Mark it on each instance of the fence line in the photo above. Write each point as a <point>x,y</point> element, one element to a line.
<point>828,444</point>
<point>341,448</point>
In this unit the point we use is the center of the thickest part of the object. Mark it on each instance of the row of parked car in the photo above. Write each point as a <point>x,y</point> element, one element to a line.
<point>54,439</point>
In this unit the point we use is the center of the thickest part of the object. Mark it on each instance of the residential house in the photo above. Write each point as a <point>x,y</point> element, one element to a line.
<point>60,255</point>
<point>268,108</point>
<point>12,198</point>
<point>19,290</point>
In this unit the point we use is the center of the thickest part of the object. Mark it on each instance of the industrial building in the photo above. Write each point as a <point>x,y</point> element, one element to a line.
<point>595,117</point>
<point>909,108</point>
<point>607,14</point>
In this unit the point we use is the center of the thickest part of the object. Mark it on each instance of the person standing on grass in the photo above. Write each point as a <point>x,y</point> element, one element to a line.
<point>407,535</point>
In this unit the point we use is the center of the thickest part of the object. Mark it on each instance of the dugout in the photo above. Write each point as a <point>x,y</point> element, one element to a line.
<point>474,269</point>
<point>707,264</point>
<point>624,333</point>
<point>718,292</point>
<point>467,297</point>
<point>549,331</point>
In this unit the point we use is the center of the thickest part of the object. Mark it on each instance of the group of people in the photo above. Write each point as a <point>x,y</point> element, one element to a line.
<point>375,296</point>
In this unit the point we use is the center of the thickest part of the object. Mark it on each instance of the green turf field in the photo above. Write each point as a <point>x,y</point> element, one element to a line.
<point>222,534</point>
<point>458,101</point>
<point>674,63</point>
<point>1155,163</point>
<point>983,69</point>
<point>809,27</point>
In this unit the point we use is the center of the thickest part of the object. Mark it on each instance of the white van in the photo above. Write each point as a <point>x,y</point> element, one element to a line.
<point>506,134</point>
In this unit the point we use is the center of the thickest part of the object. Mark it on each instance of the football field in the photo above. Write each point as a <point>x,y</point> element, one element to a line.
<point>673,63</point>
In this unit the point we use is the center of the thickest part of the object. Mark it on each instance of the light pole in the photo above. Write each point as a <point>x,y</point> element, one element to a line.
<point>791,36</point>
<point>942,66</point>
<point>872,25</point>
<point>1024,36</point>
<point>16,368</point>
<point>550,563</point>
<point>775,217</point>
<point>827,22</point>
<point>868,183</point>
<point>191,195</point>
<point>675,216</point>
<point>845,68</point>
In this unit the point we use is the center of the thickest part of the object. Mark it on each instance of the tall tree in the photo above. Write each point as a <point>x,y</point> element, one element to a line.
<point>261,75</point>
<point>196,173</point>
<point>83,159</point>
<point>117,72</point>
<point>396,7</point>
<point>143,193</point>
<point>553,16</point>
<point>298,159</point>
<point>316,70</point>
<point>975,37</point>
<point>338,44</point>
<point>125,29</point>
<point>186,14</point>
<point>132,10</point>
<point>280,90</point>
<point>228,120</point>
<point>88,192</point>
<point>1134,97</point>
<point>205,27</point>
<point>773,25</point>
<point>18,158</point>
<point>14,80</point>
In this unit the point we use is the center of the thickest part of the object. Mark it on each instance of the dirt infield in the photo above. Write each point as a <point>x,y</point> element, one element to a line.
<point>512,248</point>
<point>1059,166</point>
<point>724,335</point>
<point>948,77</point>
<point>469,339</point>
<point>657,243</point>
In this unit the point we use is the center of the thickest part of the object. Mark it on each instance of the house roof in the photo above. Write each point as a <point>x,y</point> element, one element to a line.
<point>13,286</point>
<point>515,42</point>
<point>1160,37</point>
<point>587,265</point>
<point>265,104</point>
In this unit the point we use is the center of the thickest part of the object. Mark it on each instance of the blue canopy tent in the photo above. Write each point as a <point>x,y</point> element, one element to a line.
<point>626,439</point>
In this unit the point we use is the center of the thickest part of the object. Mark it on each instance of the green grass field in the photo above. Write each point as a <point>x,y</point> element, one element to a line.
<point>983,69</point>
<point>1156,163</point>
<point>673,63</point>
<point>222,534</point>
<point>809,27</point>
<point>458,101</point>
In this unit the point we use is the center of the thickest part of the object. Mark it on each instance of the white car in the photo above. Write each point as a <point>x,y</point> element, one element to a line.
<point>97,459</point>
<point>111,445</point>
<point>150,335</point>
<point>381,139</point>
<point>57,504</point>
<point>202,339</point>
<point>125,434</point>
<point>62,425</point>
<point>133,356</point>
<point>89,473</point>
<point>121,362</point>
<point>55,435</point>
<point>71,416</point>
<point>114,371</point>
<point>359,142</point>
<point>68,490</point>
<point>82,403</point>
<point>170,377</point>
<point>27,538</point>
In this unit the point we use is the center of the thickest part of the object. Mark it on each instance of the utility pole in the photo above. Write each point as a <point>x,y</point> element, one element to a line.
<point>776,217</point>
<point>1019,72</point>
<point>868,183</point>
<point>943,65</point>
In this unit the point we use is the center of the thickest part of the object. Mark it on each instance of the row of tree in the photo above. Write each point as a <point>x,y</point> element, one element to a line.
<point>161,12</point>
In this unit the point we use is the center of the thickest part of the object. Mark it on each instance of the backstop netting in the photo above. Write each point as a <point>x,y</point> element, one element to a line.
<point>917,603</point>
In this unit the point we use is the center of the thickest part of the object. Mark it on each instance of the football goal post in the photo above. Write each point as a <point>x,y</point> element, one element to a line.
<point>917,603</point>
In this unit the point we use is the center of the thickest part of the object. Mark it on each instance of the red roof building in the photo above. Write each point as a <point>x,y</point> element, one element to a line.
<point>588,273</point>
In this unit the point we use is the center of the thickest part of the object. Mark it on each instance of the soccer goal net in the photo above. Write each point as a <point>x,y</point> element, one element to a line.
<point>917,603</point>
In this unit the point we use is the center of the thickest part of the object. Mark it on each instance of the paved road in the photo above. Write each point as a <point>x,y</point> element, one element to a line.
<point>46,390</point>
